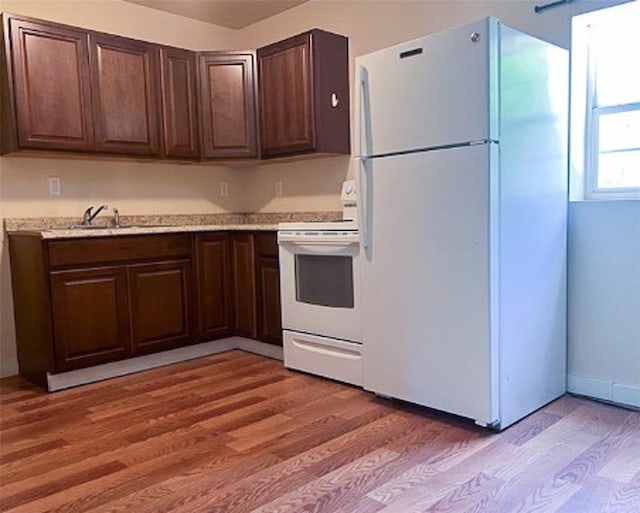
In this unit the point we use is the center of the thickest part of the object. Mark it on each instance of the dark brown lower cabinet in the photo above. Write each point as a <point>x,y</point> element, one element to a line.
<point>87,301</point>
<point>161,305</point>
<point>268,299</point>
<point>213,277</point>
<point>244,284</point>
<point>269,316</point>
<point>90,317</point>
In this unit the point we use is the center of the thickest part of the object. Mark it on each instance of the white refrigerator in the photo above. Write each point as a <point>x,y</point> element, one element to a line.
<point>461,143</point>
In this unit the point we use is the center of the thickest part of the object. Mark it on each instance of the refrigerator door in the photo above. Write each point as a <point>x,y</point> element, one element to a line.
<point>435,91</point>
<point>426,280</point>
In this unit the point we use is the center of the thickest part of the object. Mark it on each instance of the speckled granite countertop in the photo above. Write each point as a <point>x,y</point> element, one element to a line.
<point>59,227</point>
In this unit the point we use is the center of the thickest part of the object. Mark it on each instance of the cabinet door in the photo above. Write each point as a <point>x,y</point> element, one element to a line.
<point>124,80</point>
<point>179,103</point>
<point>244,285</point>
<point>214,286</point>
<point>286,113</point>
<point>268,301</point>
<point>51,86</point>
<point>90,317</point>
<point>228,105</point>
<point>160,297</point>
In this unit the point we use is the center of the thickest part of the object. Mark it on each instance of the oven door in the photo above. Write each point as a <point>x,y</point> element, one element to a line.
<point>320,284</point>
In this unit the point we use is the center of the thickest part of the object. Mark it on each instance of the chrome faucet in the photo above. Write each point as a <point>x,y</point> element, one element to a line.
<point>116,218</point>
<point>88,217</point>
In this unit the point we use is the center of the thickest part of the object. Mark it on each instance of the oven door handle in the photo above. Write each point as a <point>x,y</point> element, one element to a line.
<point>333,248</point>
<point>317,240</point>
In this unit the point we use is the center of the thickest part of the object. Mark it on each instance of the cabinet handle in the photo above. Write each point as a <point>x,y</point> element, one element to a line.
<point>334,100</point>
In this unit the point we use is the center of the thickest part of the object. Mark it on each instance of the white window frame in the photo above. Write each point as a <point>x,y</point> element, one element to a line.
<point>590,131</point>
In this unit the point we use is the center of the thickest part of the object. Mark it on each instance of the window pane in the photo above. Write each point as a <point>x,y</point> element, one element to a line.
<point>619,131</point>
<point>617,170</point>
<point>617,62</point>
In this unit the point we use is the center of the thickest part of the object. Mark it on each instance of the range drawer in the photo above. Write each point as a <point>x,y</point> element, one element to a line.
<point>324,356</point>
<point>100,250</point>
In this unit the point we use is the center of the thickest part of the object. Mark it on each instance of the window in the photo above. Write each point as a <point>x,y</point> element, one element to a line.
<point>605,136</point>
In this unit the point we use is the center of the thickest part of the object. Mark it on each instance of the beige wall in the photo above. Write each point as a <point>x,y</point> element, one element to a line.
<point>138,188</point>
<point>127,19</point>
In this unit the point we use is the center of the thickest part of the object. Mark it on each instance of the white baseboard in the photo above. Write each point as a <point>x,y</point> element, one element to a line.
<point>620,393</point>
<point>120,368</point>
<point>626,394</point>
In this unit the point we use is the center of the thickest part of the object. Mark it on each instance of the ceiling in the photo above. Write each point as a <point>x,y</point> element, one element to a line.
<point>227,13</point>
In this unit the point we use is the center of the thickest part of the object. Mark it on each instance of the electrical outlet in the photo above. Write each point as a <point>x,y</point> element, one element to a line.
<point>278,187</point>
<point>224,188</point>
<point>55,186</point>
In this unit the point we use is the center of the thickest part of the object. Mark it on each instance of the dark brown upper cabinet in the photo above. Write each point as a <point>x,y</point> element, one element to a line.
<point>124,78</point>
<point>227,95</point>
<point>65,88</point>
<point>179,103</point>
<point>50,84</point>
<point>303,95</point>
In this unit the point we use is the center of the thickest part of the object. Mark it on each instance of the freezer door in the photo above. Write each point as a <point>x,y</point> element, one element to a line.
<point>426,281</point>
<point>433,91</point>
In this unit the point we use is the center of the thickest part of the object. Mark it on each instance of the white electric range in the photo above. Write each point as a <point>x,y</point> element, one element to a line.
<point>320,288</point>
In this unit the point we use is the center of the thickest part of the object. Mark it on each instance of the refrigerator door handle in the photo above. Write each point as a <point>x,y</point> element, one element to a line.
<point>363,207</point>
<point>364,135</point>
<point>364,130</point>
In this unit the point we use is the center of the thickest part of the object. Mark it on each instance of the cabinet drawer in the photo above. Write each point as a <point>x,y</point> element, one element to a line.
<point>267,244</point>
<point>98,250</point>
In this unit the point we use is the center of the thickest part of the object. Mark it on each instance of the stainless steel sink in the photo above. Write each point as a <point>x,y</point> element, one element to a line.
<point>89,227</point>
<point>102,227</point>
<point>146,225</point>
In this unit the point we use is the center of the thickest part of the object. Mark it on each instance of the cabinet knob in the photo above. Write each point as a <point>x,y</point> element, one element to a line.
<point>334,100</point>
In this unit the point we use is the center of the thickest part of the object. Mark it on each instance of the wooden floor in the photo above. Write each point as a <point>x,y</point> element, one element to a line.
<point>236,432</point>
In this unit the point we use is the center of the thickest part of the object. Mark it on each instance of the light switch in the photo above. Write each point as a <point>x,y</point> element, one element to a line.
<point>55,186</point>
<point>278,187</point>
<point>224,188</point>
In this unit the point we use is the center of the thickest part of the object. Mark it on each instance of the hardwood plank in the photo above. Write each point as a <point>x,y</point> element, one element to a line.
<point>255,490</point>
<point>38,448</point>
<point>536,423</point>
<point>467,493</point>
<point>262,431</point>
<point>422,476</point>
<point>625,461</point>
<point>588,463</point>
<point>592,498</point>
<point>364,505</point>
<point>238,433</point>
<point>323,492</point>
<point>25,496</point>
